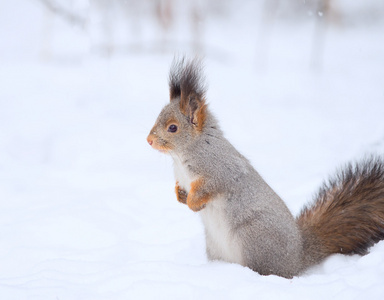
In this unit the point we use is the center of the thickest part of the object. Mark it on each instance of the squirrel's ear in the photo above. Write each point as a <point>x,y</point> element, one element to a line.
<point>186,83</point>
<point>195,109</point>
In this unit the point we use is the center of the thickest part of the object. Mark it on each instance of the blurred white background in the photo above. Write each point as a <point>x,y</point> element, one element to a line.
<point>87,209</point>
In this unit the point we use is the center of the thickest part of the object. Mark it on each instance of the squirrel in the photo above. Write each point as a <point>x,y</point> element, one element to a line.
<point>245,221</point>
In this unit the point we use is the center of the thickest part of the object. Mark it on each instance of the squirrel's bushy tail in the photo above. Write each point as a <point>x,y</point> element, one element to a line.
<point>348,213</point>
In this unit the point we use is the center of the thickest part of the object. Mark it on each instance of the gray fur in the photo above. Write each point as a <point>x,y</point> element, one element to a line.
<point>245,221</point>
<point>256,218</point>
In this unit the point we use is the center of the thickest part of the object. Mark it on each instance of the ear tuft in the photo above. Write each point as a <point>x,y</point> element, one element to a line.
<point>186,79</point>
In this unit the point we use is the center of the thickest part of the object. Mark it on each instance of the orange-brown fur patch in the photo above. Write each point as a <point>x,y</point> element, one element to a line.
<point>195,110</point>
<point>348,216</point>
<point>181,194</point>
<point>201,116</point>
<point>198,197</point>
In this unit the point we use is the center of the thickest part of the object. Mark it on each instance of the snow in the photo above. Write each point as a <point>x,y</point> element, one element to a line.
<point>87,208</point>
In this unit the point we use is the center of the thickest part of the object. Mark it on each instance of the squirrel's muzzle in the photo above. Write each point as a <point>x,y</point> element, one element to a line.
<point>150,140</point>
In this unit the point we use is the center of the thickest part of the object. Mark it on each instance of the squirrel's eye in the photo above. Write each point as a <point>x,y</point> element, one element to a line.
<point>172,128</point>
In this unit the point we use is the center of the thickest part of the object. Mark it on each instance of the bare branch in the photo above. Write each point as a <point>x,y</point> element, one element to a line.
<point>64,13</point>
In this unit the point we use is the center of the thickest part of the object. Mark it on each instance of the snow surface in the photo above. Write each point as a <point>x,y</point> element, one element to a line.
<point>87,209</point>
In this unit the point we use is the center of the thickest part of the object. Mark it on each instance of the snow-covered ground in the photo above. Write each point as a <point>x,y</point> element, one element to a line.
<point>87,209</point>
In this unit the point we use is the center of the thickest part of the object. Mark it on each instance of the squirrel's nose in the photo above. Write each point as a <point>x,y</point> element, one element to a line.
<point>150,141</point>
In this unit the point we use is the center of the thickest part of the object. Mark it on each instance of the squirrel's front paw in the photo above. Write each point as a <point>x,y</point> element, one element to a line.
<point>195,206</point>
<point>198,196</point>
<point>196,203</point>
<point>181,194</point>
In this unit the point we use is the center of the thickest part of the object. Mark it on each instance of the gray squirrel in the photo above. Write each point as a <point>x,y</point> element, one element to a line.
<point>245,221</point>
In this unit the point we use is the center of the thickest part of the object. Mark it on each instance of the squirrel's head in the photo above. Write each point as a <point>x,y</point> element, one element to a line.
<point>184,118</point>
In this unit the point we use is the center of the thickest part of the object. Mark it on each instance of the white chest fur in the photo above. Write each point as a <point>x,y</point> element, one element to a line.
<point>221,242</point>
<point>182,174</point>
